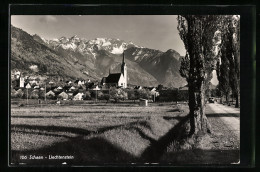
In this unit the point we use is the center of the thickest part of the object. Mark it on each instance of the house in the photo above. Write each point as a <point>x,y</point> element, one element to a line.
<point>96,87</point>
<point>138,87</point>
<point>50,94</point>
<point>17,74</point>
<point>21,84</point>
<point>154,91</point>
<point>28,86</point>
<point>117,79</point>
<point>33,82</point>
<point>78,96</point>
<point>70,94</point>
<point>63,96</point>
<point>68,82</point>
<point>59,88</point>
<point>77,81</point>
<point>72,88</point>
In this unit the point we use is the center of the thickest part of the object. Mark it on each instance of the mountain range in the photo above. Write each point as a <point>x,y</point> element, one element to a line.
<point>79,58</point>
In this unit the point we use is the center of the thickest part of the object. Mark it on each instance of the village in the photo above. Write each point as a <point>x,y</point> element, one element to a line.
<point>113,87</point>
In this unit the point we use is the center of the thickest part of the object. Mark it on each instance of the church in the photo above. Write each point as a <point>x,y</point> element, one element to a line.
<point>117,79</point>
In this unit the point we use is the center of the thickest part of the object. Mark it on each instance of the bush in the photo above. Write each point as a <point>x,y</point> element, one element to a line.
<point>19,93</point>
<point>118,94</point>
<point>145,94</point>
<point>13,93</point>
<point>50,96</point>
<point>34,94</point>
<point>87,96</point>
<point>106,97</point>
<point>131,94</point>
<point>100,95</point>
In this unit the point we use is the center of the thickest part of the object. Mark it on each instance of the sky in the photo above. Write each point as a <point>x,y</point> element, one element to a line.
<point>150,31</point>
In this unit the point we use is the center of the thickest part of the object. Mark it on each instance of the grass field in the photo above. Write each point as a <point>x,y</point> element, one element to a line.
<point>93,133</point>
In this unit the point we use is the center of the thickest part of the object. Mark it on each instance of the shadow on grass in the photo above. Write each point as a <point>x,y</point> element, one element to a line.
<point>40,116</point>
<point>51,129</point>
<point>174,110</point>
<point>74,130</point>
<point>97,150</point>
<point>156,149</point>
<point>85,152</point>
<point>179,118</point>
<point>209,115</point>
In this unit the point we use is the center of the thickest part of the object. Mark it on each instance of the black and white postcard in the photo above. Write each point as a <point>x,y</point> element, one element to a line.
<point>89,90</point>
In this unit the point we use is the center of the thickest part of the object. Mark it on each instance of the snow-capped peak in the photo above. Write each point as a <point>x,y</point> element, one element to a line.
<point>84,46</point>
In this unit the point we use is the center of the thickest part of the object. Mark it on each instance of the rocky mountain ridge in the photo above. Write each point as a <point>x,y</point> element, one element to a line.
<point>92,59</point>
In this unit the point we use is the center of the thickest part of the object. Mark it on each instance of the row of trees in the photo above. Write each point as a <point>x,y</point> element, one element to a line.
<point>209,40</point>
<point>228,65</point>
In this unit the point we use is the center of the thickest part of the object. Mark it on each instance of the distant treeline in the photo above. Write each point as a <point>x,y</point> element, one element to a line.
<point>173,95</point>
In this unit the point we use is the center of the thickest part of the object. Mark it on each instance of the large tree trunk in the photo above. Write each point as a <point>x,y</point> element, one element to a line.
<point>237,101</point>
<point>198,120</point>
<point>227,99</point>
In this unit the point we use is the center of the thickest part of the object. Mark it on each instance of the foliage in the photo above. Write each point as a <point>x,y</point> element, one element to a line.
<point>41,94</point>
<point>185,67</point>
<point>87,96</point>
<point>19,93</point>
<point>100,95</point>
<point>144,94</point>
<point>201,37</point>
<point>13,93</point>
<point>131,94</point>
<point>27,93</point>
<point>118,94</point>
<point>34,94</point>
<point>50,96</point>
<point>228,66</point>
<point>173,95</point>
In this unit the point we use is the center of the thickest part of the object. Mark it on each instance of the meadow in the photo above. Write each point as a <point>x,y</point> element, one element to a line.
<point>93,133</point>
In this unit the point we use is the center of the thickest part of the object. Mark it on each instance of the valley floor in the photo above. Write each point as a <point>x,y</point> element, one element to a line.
<point>93,134</point>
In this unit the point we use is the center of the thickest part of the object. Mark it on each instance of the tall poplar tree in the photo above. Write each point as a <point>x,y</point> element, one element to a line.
<point>201,39</point>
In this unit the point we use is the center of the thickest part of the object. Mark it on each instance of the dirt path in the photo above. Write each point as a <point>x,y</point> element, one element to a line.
<point>230,116</point>
<point>225,122</point>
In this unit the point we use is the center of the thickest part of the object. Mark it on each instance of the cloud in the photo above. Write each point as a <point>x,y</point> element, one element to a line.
<point>48,19</point>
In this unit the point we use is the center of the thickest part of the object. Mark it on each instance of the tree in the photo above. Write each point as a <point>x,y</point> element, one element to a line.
<point>234,58</point>
<point>201,39</point>
<point>106,97</point>
<point>34,94</point>
<point>13,93</point>
<point>117,94</point>
<point>228,66</point>
<point>87,96</point>
<point>131,94</point>
<point>100,95</point>
<point>42,94</point>
<point>185,67</point>
<point>144,94</point>
<point>19,93</point>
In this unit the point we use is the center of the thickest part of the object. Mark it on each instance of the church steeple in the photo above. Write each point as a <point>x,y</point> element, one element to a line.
<point>124,71</point>
<point>123,57</point>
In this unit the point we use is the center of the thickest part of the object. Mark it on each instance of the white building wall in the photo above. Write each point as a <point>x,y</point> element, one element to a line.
<point>122,81</point>
<point>21,82</point>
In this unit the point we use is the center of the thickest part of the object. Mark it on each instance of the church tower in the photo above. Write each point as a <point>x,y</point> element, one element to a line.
<point>124,71</point>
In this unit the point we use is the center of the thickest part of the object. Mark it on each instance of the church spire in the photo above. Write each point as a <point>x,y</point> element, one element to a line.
<point>123,57</point>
